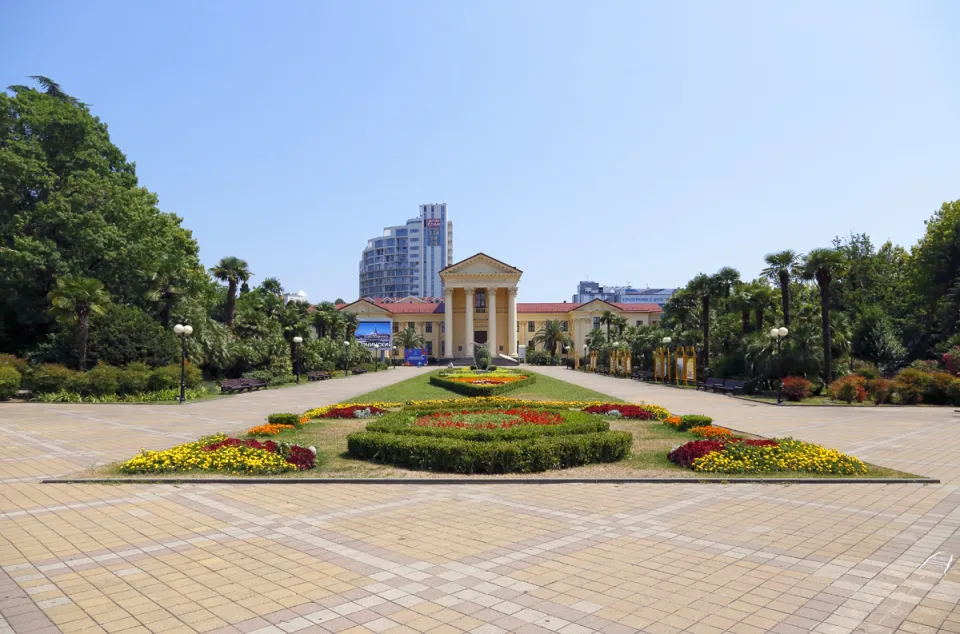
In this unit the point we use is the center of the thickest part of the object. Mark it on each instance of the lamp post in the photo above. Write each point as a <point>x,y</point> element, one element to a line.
<point>850,349</point>
<point>183,331</point>
<point>778,335</point>
<point>296,356</point>
<point>666,364</point>
<point>346,358</point>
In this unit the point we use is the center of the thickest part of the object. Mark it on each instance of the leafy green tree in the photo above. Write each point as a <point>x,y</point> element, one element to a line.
<point>552,334</point>
<point>231,270</point>
<point>875,339</point>
<point>595,339</point>
<point>73,301</point>
<point>781,266</point>
<point>126,334</point>
<point>823,265</point>
<point>70,204</point>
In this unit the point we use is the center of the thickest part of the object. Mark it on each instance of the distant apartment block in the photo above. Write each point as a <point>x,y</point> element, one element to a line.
<point>407,259</point>
<point>589,291</point>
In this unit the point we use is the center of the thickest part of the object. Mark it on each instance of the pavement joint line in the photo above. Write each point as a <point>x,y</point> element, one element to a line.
<point>487,481</point>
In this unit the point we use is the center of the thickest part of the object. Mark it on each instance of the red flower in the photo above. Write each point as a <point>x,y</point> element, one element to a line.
<point>626,410</point>
<point>522,416</point>
<point>348,412</point>
<point>684,455</point>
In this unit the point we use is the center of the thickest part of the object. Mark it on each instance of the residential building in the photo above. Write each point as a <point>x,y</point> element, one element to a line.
<point>406,260</point>
<point>480,306</point>
<point>588,291</point>
<point>299,296</point>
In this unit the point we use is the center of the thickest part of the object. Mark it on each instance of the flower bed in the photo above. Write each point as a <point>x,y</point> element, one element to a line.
<point>623,410</point>
<point>489,441</point>
<point>223,455</point>
<point>479,384</point>
<point>270,429</point>
<point>739,456</point>
<point>659,413</point>
<point>687,421</point>
<point>354,411</point>
<point>711,432</point>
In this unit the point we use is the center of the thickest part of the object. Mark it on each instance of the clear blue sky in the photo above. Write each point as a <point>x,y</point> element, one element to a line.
<point>658,139</point>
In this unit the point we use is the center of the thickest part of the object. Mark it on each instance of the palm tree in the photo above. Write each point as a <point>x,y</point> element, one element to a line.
<point>608,318</point>
<point>619,323</point>
<point>725,280</point>
<point>704,287</point>
<point>166,290</point>
<point>409,338</point>
<point>73,300</point>
<point>780,268</point>
<point>595,339</point>
<point>272,286</point>
<point>324,315</point>
<point>760,297</point>
<point>550,335</point>
<point>742,302</point>
<point>231,270</point>
<point>823,265</point>
<point>350,324</point>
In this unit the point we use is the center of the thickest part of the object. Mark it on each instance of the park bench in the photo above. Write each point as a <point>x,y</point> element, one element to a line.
<point>358,370</point>
<point>641,375</point>
<point>710,384</point>
<point>241,385</point>
<point>732,386</point>
<point>604,370</point>
<point>318,375</point>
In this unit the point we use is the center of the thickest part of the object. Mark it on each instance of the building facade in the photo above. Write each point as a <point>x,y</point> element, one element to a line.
<point>407,259</point>
<point>480,307</point>
<point>589,291</point>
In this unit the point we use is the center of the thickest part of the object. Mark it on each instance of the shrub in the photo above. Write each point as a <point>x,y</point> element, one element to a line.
<point>909,385</point>
<point>689,421</point>
<point>168,377</point>
<point>134,378</point>
<point>481,356</point>
<point>880,390</point>
<point>10,381</point>
<point>924,365</point>
<point>936,388</point>
<point>868,373</point>
<point>797,388</point>
<point>103,379</point>
<point>480,390</point>
<point>849,388</point>
<point>955,392</point>
<point>284,418</point>
<point>18,364</point>
<point>49,377</point>
<point>464,456</point>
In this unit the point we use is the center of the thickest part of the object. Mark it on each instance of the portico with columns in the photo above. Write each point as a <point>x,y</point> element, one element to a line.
<point>480,306</point>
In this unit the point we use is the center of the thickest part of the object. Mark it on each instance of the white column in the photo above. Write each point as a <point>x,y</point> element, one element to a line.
<point>492,323</point>
<point>468,335</point>
<point>448,322</point>
<point>512,320</point>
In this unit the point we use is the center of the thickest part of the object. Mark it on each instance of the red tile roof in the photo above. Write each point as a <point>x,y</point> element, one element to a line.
<point>565,307</point>
<point>533,307</point>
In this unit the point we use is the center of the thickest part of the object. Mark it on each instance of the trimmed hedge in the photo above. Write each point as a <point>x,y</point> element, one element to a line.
<point>480,390</point>
<point>689,421</point>
<point>465,456</point>
<point>284,418</point>
<point>520,432</point>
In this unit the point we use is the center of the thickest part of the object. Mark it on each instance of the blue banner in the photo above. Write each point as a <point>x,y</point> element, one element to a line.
<point>415,356</point>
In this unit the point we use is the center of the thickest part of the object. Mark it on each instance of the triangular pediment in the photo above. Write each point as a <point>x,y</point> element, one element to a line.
<point>595,305</point>
<point>480,264</point>
<point>365,307</point>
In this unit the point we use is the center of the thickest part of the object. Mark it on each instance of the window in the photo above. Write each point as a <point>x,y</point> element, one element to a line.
<point>563,326</point>
<point>518,326</point>
<point>639,322</point>
<point>396,327</point>
<point>430,348</point>
<point>596,323</point>
<point>443,327</point>
<point>429,326</point>
<point>480,301</point>
<point>410,324</point>
<point>531,326</point>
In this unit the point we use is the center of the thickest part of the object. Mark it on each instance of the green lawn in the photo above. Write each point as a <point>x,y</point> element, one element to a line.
<point>545,389</point>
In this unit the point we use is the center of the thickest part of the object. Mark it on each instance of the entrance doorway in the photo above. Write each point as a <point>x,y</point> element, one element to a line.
<point>480,336</point>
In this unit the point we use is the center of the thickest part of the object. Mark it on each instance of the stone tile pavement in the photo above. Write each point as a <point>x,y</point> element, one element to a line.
<point>472,558</point>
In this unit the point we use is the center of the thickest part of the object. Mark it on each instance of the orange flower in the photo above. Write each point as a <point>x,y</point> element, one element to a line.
<point>270,429</point>
<point>672,420</point>
<point>712,432</point>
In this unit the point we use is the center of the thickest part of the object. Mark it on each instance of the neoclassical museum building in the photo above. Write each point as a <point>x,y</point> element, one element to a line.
<point>480,307</point>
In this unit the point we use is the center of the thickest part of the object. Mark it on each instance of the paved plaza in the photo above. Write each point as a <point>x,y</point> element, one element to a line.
<point>534,558</point>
